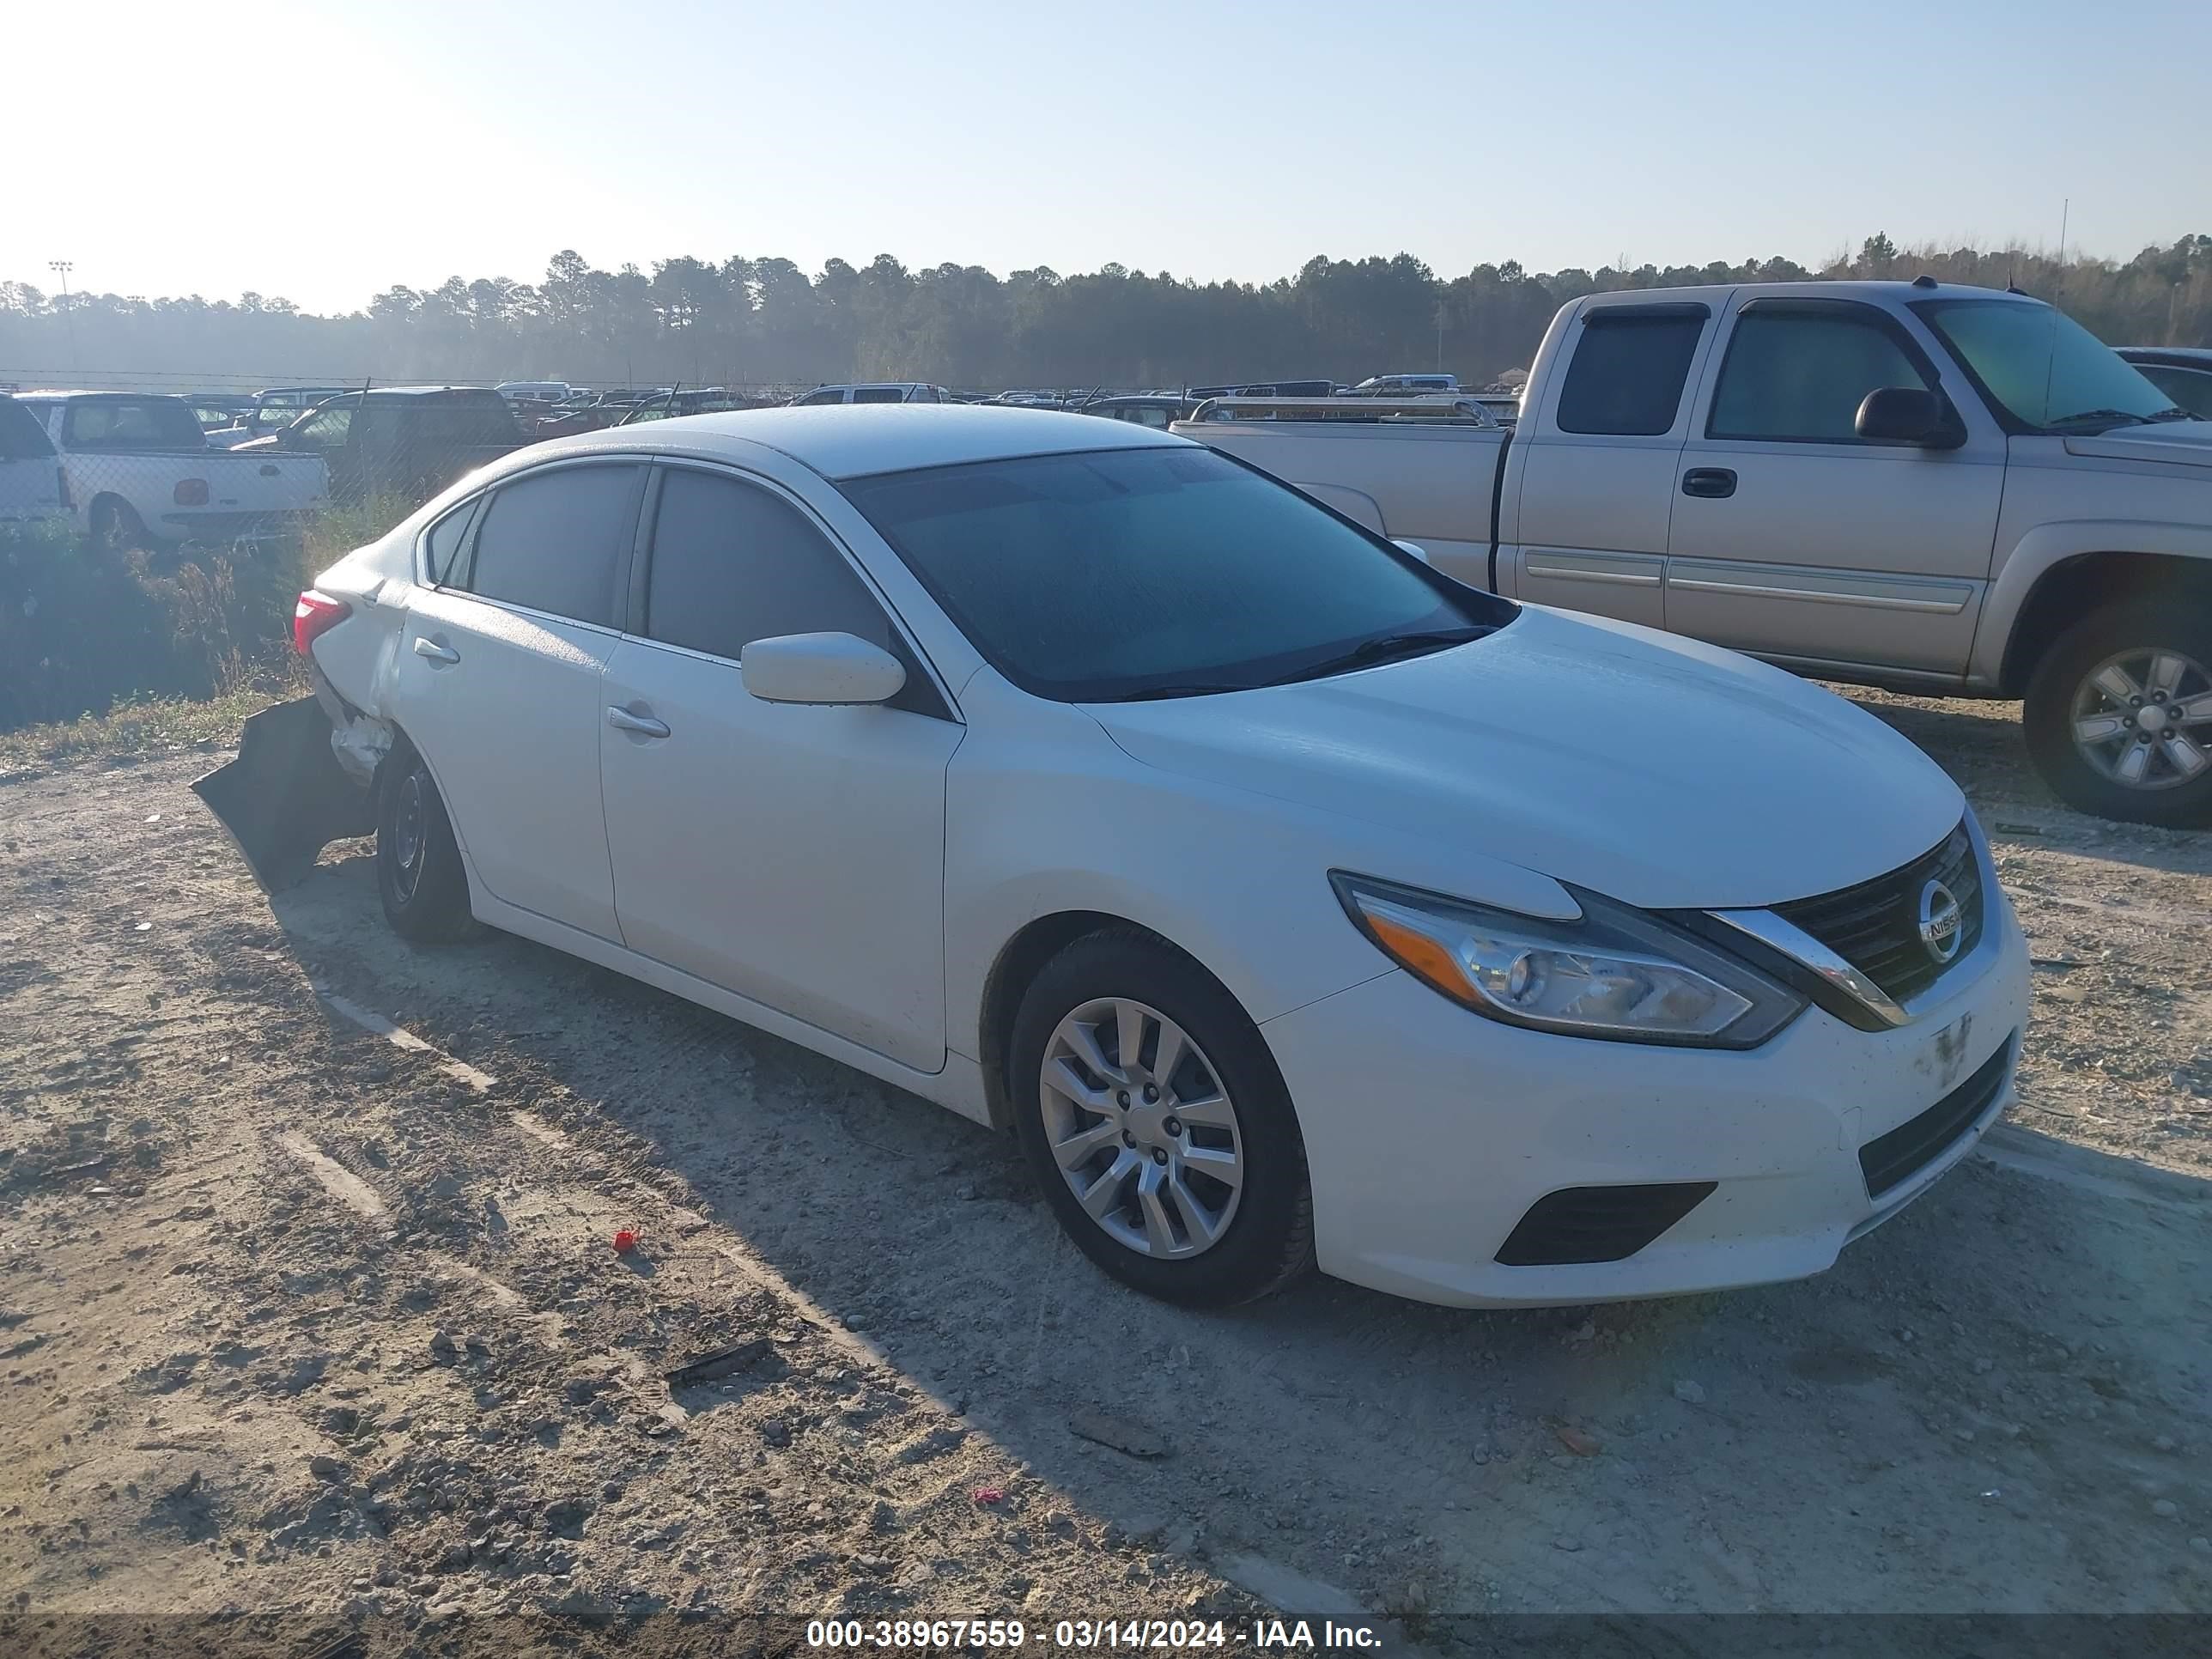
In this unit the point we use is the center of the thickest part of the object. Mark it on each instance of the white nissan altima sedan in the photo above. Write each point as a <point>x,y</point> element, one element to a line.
<point>1291,902</point>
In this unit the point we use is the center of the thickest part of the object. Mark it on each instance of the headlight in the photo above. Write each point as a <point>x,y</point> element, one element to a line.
<point>1616,972</point>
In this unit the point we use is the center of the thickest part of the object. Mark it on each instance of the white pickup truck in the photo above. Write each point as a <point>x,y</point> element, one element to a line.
<point>139,473</point>
<point>1941,489</point>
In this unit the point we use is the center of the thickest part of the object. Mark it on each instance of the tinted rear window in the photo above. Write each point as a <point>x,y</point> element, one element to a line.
<point>1628,373</point>
<point>554,540</point>
<point>132,423</point>
<point>22,437</point>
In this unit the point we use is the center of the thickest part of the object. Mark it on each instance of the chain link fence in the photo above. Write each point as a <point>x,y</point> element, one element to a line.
<point>153,536</point>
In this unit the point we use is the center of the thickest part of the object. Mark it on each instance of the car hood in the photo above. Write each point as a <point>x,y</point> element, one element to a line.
<point>1652,768</point>
<point>2188,443</point>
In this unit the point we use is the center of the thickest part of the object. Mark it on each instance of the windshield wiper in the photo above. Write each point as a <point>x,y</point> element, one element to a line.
<point>1386,647</point>
<point>1196,688</point>
<point>2103,416</point>
<point>2176,413</point>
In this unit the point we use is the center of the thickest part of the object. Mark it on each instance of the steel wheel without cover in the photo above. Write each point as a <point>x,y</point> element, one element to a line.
<point>408,839</point>
<point>2143,719</point>
<point>1144,1132</point>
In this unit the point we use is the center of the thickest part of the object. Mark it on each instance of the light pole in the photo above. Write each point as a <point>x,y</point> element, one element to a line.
<point>62,269</point>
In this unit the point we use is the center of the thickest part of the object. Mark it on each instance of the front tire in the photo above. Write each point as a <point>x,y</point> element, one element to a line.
<point>2118,714</point>
<point>419,874</point>
<point>1155,1121</point>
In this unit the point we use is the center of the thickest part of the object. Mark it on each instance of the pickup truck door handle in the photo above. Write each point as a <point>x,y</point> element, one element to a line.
<point>1714,482</point>
<point>644,724</point>
<point>435,651</point>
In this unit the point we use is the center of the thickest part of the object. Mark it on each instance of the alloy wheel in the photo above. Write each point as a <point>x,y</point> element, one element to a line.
<point>1144,1133</point>
<point>2143,718</point>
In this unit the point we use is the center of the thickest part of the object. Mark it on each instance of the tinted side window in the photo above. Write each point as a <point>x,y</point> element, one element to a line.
<point>22,437</point>
<point>878,394</point>
<point>442,545</point>
<point>1801,376</point>
<point>733,563</point>
<point>1627,374</point>
<point>554,540</point>
<point>828,395</point>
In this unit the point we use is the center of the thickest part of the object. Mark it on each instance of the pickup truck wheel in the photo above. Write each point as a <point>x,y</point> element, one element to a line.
<point>1153,1118</point>
<point>116,527</point>
<point>418,864</point>
<point>2119,713</point>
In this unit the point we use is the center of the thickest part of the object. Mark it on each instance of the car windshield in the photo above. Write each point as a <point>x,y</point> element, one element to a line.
<point>1158,572</point>
<point>2048,371</point>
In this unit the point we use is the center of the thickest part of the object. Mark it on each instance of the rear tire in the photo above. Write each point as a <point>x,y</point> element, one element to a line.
<point>116,527</point>
<point>1239,1114</point>
<point>419,874</point>
<point>2105,674</point>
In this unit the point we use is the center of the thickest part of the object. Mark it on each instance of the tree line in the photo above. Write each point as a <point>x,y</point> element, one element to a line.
<point>766,321</point>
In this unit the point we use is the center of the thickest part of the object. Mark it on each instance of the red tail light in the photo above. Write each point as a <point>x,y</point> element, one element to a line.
<point>189,492</point>
<point>314,615</point>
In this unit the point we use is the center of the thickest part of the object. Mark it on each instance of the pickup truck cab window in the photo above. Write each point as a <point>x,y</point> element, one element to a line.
<point>1798,373</point>
<point>1629,368</point>
<point>131,424</point>
<point>2043,369</point>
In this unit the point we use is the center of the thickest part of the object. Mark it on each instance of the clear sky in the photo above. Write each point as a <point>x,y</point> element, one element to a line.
<point>323,152</point>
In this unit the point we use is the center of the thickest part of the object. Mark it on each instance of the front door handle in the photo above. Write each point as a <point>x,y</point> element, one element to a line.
<point>1713,482</point>
<point>644,724</point>
<point>435,651</point>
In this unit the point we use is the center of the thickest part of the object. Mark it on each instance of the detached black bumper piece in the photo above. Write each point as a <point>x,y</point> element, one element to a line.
<point>1911,1146</point>
<point>285,796</point>
<point>1599,1223</point>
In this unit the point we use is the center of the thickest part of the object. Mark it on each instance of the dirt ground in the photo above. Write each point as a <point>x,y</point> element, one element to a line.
<point>292,1316</point>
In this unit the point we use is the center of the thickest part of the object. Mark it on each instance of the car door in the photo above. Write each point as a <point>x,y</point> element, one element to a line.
<point>498,682</point>
<point>1598,463</point>
<point>792,854</point>
<point>1796,538</point>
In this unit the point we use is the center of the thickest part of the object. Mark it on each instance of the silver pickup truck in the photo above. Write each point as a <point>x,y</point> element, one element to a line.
<point>1941,489</point>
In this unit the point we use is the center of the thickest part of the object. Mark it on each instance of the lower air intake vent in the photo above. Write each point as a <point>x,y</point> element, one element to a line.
<point>1598,1223</point>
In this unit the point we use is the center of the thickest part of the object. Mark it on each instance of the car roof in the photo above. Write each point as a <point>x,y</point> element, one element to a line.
<point>1718,294</point>
<point>853,440</point>
<point>65,392</point>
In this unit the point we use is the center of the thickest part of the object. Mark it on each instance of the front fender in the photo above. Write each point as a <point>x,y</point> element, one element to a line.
<point>2047,546</point>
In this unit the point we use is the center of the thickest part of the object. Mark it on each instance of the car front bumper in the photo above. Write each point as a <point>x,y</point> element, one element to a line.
<point>1431,1131</point>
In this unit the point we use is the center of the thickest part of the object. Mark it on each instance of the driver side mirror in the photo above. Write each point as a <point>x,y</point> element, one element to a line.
<point>1910,415</point>
<point>820,668</point>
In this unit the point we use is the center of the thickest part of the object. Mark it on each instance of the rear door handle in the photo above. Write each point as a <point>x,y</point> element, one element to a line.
<point>644,724</point>
<point>1713,482</point>
<point>435,651</point>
